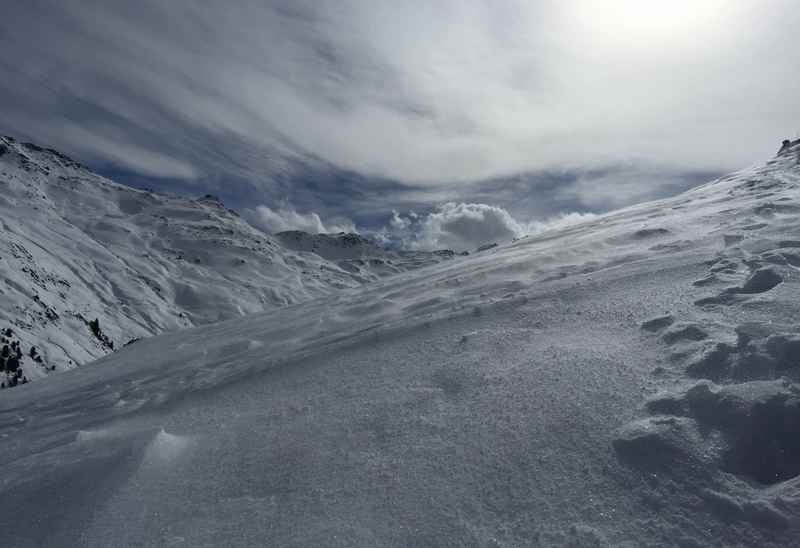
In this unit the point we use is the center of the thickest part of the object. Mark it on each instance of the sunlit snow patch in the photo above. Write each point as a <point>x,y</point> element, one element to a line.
<point>92,435</point>
<point>164,448</point>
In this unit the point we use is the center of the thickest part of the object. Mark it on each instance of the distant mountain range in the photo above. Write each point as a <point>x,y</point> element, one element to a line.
<point>88,265</point>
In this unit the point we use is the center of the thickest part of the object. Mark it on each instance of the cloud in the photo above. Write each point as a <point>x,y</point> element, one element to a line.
<point>127,155</point>
<point>623,185</point>
<point>439,91</point>
<point>286,218</point>
<point>443,99</point>
<point>465,227</point>
<point>456,226</point>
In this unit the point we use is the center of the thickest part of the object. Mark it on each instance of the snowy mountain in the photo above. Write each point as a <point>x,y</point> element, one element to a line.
<point>360,255</point>
<point>633,380</point>
<point>76,247</point>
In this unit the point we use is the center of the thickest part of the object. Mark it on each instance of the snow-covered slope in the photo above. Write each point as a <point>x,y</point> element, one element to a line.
<point>629,381</point>
<point>76,247</point>
<point>360,255</point>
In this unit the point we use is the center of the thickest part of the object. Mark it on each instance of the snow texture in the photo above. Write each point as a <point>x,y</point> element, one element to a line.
<point>574,388</point>
<point>75,247</point>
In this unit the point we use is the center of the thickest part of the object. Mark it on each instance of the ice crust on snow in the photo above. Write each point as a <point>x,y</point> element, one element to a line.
<point>574,388</point>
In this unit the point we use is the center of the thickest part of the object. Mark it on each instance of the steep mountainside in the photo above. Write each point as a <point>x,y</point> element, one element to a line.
<point>76,247</point>
<point>633,380</point>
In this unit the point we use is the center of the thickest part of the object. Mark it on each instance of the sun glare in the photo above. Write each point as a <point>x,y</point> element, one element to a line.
<point>647,19</point>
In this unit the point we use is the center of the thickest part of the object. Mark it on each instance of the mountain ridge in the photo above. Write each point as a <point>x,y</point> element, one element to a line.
<point>77,247</point>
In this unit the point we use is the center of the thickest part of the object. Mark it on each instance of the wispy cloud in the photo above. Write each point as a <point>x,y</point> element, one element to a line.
<point>287,218</point>
<point>432,96</point>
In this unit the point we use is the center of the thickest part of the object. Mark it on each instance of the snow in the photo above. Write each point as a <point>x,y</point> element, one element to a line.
<point>359,255</point>
<point>76,247</point>
<point>627,381</point>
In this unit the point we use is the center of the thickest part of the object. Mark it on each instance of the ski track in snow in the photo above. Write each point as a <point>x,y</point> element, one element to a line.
<point>629,381</point>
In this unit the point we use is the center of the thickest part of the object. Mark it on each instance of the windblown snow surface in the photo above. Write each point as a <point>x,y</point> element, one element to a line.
<point>75,246</point>
<point>629,381</point>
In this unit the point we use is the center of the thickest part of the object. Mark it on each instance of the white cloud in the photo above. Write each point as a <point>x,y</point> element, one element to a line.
<point>131,156</point>
<point>286,218</point>
<point>465,227</point>
<point>456,226</point>
<point>419,91</point>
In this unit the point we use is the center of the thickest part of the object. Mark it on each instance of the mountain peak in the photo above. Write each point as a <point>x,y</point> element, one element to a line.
<point>789,146</point>
<point>31,154</point>
<point>79,250</point>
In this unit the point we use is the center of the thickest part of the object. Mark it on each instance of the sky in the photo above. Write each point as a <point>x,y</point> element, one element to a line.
<point>407,119</point>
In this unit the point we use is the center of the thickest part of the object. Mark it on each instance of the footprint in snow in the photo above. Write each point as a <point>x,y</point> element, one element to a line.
<point>760,281</point>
